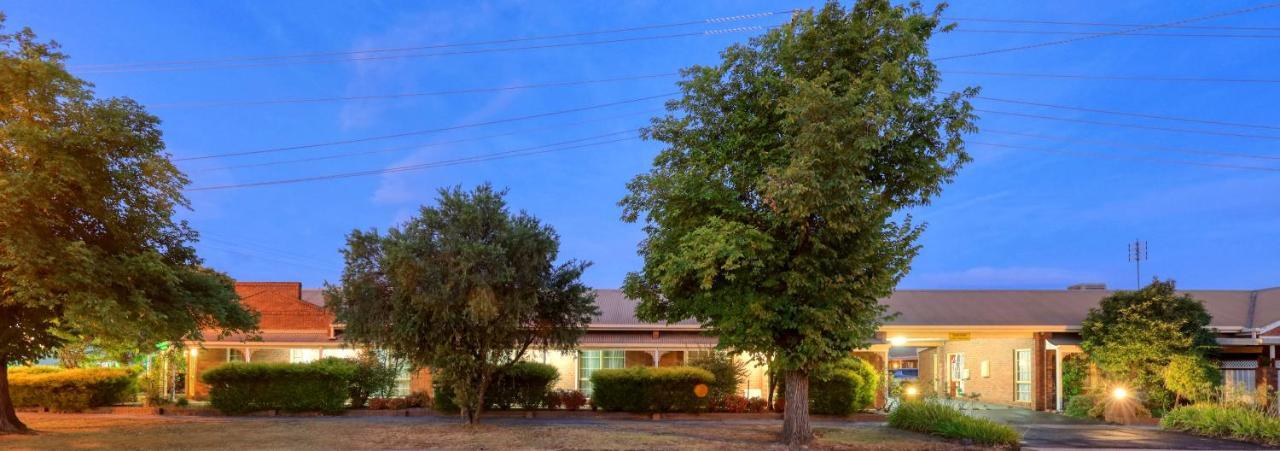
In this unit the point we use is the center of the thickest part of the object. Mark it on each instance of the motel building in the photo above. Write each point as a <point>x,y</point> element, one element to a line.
<point>994,346</point>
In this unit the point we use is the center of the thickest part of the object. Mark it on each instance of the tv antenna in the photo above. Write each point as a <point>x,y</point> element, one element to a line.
<point>1137,253</point>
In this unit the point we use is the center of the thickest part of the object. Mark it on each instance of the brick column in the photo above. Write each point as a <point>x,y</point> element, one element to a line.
<point>1039,380</point>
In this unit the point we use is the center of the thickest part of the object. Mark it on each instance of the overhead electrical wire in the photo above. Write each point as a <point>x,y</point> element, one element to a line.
<point>1140,35</point>
<point>1126,113</point>
<point>1129,158</point>
<point>1110,33</point>
<point>557,126</point>
<point>425,131</point>
<point>416,167</point>
<point>285,101</point>
<point>1137,126</point>
<point>714,20</point>
<point>1115,77</point>
<point>1105,24</point>
<point>1122,145</point>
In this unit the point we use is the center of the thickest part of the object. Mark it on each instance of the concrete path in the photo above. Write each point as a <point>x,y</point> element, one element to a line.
<point>1051,431</point>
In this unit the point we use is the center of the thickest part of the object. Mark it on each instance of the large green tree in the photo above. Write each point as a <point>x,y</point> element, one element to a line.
<point>88,244</point>
<point>1133,335</point>
<point>466,289</point>
<point>775,214</point>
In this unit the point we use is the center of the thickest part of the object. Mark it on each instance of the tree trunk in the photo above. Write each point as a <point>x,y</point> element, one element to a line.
<point>796,430</point>
<point>9,422</point>
<point>471,408</point>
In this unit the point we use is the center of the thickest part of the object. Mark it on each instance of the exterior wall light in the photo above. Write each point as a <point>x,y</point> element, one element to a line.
<point>912,391</point>
<point>898,341</point>
<point>1119,393</point>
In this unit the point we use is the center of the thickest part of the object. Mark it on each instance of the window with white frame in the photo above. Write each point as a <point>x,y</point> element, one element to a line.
<point>303,355</point>
<point>235,355</point>
<point>590,361</point>
<point>1022,375</point>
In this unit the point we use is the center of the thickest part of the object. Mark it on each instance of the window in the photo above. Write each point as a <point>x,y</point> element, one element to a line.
<point>303,355</point>
<point>590,361</point>
<point>344,353</point>
<point>1022,375</point>
<point>235,355</point>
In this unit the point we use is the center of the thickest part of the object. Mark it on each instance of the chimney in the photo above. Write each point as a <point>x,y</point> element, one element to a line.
<point>1087,287</point>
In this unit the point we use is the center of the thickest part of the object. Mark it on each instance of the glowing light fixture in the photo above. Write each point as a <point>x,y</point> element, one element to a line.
<point>195,352</point>
<point>912,391</point>
<point>898,341</point>
<point>1119,393</point>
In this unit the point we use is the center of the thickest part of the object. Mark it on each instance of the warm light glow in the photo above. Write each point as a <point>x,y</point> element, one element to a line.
<point>912,391</point>
<point>898,341</point>
<point>1120,393</point>
<point>701,390</point>
<point>195,351</point>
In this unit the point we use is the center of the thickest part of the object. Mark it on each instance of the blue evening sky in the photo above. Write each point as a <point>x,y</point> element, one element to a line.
<point>1014,218</point>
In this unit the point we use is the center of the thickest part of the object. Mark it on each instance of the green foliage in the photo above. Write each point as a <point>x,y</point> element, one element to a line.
<point>939,419</point>
<point>844,388</point>
<point>1083,405</point>
<point>373,377</point>
<point>443,398</point>
<point>239,387</point>
<point>464,289</point>
<point>1192,377</point>
<point>646,389</point>
<point>729,373</point>
<point>71,390</point>
<point>1075,373</point>
<point>88,241</point>
<point>1132,335</point>
<point>1233,422</point>
<point>526,384</point>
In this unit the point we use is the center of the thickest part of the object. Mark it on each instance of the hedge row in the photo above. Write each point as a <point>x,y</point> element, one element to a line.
<point>524,384</point>
<point>645,389</point>
<point>69,390</point>
<point>845,388</point>
<point>240,387</point>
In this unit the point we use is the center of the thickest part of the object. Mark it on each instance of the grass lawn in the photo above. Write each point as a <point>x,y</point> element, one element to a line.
<point>69,431</point>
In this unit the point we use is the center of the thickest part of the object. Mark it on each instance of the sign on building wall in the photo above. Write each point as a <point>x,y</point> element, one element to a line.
<point>958,336</point>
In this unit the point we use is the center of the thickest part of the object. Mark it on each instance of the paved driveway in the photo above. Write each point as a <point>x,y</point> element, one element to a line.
<point>1047,431</point>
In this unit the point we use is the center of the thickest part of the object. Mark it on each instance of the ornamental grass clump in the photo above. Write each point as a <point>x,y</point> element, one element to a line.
<point>1233,422</point>
<point>939,419</point>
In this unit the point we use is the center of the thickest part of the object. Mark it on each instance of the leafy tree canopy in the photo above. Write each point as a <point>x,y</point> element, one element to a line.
<point>774,214</point>
<point>1133,335</point>
<point>88,244</point>
<point>465,288</point>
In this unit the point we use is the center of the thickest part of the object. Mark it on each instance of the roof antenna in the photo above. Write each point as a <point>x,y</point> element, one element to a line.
<point>1138,253</point>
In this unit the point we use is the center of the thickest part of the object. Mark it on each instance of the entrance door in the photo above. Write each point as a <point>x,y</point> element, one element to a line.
<point>956,374</point>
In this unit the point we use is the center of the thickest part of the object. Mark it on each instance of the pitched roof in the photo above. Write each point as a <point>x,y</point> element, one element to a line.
<point>281,306</point>
<point>616,309</point>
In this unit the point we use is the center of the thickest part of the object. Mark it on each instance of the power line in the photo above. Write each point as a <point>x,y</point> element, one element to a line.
<point>1115,144</point>
<point>1115,77</point>
<point>714,20</point>
<point>1125,113</point>
<point>559,126</point>
<point>1117,124</point>
<point>426,131</point>
<point>422,55</point>
<point>1143,35</point>
<point>1110,33</point>
<point>1106,24</point>
<point>415,167</point>
<point>1129,158</point>
<point>406,94</point>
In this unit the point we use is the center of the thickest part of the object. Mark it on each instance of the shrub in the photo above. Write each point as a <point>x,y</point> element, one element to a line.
<point>418,399</point>
<point>1075,372</point>
<point>1192,377</point>
<point>727,371</point>
<point>945,421</point>
<point>69,390</point>
<point>843,388</point>
<point>240,387</point>
<point>525,384</point>
<point>1083,406</point>
<point>757,405</point>
<point>731,404</point>
<point>1234,422</point>
<point>645,389</point>
<point>572,399</point>
<point>371,377</point>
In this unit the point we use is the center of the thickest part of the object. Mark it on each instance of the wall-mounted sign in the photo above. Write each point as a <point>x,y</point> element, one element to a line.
<point>958,336</point>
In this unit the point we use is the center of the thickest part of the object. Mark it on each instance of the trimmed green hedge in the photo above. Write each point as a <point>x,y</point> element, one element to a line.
<point>945,421</point>
<point>1236,422</point>
<point>69,390</point>
<point>645,389</point>
<point>239,387</point>
<point>844,389</point>
<point>526,384</point>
